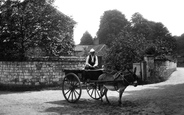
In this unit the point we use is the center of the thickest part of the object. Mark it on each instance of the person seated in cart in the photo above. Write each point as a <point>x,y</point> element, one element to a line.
<point>91,60</point>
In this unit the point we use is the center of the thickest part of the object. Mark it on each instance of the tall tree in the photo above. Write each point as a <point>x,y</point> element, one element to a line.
<point>180,44</point>
<point>33,23</point>
<point>131,44</point>
<point>111,24</point>
<point>141,26</point>
<point>86,39</point>
<point>164,42</point>
<point>157,35</point>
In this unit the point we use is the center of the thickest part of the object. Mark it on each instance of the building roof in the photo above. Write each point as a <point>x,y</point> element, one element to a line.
<point>99,49</point>
<point>80,47</point>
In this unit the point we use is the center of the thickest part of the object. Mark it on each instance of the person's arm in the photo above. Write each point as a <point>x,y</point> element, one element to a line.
<point>87,60</point>
<point>96,62</point>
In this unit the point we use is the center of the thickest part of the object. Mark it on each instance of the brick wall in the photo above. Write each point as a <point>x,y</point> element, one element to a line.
<point>37,71</point>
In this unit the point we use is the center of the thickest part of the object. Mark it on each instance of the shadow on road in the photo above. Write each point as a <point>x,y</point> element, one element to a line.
<point>7,92</point>
<point>156,99</point>
<point>14,92</point>
<point>170,97</point>
<point>90,106</point>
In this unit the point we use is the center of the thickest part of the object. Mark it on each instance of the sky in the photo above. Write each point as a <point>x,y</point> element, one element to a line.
<point>87,13</point>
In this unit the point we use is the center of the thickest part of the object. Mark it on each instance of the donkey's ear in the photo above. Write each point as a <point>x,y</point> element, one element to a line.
<point>135,70</point>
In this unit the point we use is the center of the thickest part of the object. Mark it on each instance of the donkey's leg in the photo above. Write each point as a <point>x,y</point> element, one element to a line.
<point>102,92</point>
<point>106,90</point>
<point>121,90</point>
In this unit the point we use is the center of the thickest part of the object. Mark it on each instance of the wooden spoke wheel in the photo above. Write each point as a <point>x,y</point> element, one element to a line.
<point>95,91</point>
<point>71,88</point>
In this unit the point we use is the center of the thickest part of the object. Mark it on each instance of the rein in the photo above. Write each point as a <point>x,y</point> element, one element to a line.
<point>117,76</point>
<point>126,80</point>
<point>123,76</point>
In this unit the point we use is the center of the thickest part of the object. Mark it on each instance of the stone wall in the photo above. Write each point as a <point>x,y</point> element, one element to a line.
<point>159,70</point>
<point>39,72</point>
<point>154,70</point>
<point>163,69</point>
<point>180,61</point>
<point>44,72</point>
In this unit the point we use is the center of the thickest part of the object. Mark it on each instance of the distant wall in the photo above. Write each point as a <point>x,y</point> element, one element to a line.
<point>153,70</point>
<point>37,72</point>
<point>163,69</point>
<point>180,62</point>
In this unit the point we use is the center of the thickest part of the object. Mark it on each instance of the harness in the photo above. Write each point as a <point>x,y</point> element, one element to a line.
<point>117,75</point>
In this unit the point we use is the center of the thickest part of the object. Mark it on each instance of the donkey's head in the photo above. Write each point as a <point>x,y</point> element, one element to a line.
<point>132,78</point>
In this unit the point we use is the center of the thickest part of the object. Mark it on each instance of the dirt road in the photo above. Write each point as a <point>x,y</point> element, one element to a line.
<point>166,98</point>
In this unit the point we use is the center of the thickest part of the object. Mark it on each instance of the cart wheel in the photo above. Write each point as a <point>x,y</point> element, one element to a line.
<point>93,91</point>
<point>71,88</point>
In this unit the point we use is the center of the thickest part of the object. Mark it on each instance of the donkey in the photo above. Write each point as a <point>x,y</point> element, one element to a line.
<point>117,82</point>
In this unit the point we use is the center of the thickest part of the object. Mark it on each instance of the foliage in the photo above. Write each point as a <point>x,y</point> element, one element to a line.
<point>33,23</point>
<point>141,26</point>
<point>126,49</point>
<point>86,39</point>
<point>111,24</point>
<point>165,43</point>
<point>162,43</point>
<point>142,38</point>
<point>35,52</point>
<point>180,44</point>
<point>95,40</point>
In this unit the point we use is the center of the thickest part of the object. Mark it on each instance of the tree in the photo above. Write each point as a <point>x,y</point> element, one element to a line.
<point>141,26</point>
<point>33,23</point>
<point>180,44</point>
<point>95,40</point>
<point>142,38</point>
<point>157,35</point>
<point>111,24</point>
<point>126,49</point>
<point>164,42</point>
<point>86,39</point>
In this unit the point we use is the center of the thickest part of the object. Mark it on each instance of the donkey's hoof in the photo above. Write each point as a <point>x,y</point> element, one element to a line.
<point>109,103</point>
<point>119,104</point>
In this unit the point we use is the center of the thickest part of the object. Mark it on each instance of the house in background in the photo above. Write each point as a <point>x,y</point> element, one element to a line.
<point>79,50</point>
<point>83,51</point>
<point>96,41</point>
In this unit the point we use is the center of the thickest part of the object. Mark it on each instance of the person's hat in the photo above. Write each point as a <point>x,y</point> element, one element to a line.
<point>92,50</point>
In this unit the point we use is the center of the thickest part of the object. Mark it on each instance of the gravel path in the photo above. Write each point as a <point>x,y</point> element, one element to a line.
<point>166,98</point>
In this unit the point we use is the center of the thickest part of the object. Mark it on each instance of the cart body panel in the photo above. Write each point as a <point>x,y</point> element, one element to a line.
<point>86,75</point>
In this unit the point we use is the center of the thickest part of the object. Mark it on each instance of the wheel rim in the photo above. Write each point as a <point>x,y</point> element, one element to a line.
<point>94,91</point>
<point>71,88</point>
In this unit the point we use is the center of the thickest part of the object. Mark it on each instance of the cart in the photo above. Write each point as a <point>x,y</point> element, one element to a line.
<point>76,80</point>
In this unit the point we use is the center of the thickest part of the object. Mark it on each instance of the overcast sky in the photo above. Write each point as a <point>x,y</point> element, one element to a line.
<point>87,13</point>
